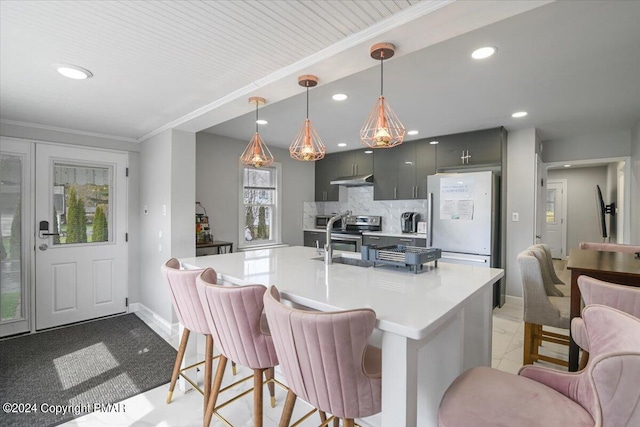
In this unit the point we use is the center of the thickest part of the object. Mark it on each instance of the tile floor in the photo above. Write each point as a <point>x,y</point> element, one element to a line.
<point>150,409</point>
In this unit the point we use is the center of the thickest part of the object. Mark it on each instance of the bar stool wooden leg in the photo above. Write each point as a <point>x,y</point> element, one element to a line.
<point>528,343</point>
<point>336,422</point>
<point>268,373</point>
<point>213,397</point>
<point>287,411</point>
<point>323,416</point>
<point>348,422</point>
<point>208,368</point>
<point>257,397</point>
<point>176,365</point>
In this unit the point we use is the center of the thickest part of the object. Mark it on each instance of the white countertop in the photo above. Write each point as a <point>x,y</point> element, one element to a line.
<point>407,304</point>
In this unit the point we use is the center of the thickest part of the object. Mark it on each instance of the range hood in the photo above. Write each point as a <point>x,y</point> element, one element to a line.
<point>354,180</point>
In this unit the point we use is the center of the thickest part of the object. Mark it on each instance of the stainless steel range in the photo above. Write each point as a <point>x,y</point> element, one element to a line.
<point>349,237</point>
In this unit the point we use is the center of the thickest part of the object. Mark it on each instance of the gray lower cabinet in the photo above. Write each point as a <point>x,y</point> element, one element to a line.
<point>315,239</point>
<point>408,241</point>
<point>375,240</point>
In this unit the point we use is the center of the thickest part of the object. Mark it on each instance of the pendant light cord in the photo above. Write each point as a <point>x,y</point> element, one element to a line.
<point>381,75</point>
<point>307,100</point>
<point>256,116</point>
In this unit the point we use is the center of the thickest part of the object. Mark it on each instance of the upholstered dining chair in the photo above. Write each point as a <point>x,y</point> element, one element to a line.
<point>540,310</point>
<point>594,291</point>
<point>604,394</point>
<point>234,315</point>
<point>610,247</point>
<point>326,360</point>
<point>186,303</point>
<point>549,276</point>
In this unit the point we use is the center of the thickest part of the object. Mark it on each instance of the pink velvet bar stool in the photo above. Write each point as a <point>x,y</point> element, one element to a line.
<point>604,394</point>
<point>186,303</point>
<point>234,315</point>
<point>326,359</point>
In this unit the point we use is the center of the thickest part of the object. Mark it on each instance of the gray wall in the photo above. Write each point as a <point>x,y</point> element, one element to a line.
<point>635,184</point>
<point>587,147</point>
<point>167,189</point>
<point>582,216</point>
<point>521,194</point>
<point>218,186</point>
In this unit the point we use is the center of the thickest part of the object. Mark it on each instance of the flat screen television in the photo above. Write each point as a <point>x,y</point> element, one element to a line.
<point>602,211</point>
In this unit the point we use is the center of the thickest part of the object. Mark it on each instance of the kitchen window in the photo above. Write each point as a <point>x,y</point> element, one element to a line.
<point>260,206</point>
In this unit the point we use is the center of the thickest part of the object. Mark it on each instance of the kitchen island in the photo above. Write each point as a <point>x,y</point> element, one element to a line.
<point>431,326</point>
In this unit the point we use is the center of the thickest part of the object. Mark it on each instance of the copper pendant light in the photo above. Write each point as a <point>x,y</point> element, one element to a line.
<point>382,128</point>
<point>257,153</point>
<point>307,145</point>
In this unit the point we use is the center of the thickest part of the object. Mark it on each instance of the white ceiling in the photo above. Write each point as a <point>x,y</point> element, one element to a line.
<point>574,66</point>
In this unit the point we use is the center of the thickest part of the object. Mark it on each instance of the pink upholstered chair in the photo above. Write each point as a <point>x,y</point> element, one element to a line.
<point>234,314</point>
<point>610,247</point>
<point>594,291</point>
<point>326,360</point>
<point>540,310</point>
<point>186,303</point>
<point>604,394</point>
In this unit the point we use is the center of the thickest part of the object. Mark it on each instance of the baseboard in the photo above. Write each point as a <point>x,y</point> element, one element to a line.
<point>514,300</point>
<point>167,327</point>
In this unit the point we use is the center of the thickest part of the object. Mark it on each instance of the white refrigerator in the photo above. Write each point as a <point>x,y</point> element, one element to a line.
<point>463,219</point>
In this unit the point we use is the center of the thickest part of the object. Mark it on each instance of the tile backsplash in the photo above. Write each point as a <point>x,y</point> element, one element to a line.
<point>359,200</point>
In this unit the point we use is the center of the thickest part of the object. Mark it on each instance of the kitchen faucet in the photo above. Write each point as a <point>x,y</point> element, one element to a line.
<point>328,246</point>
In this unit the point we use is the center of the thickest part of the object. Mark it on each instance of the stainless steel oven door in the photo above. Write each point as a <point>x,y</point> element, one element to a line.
<point>346,242</point>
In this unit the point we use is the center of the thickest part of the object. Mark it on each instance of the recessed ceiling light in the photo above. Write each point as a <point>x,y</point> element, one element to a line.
<point>519,114</point>
<point>368,152</point>
<point>434,142</point>
<point>484,52</point>
<point>567,166</point>
<point>73,71</point>
<point>262,122</point>
<point>412,132</point>
<point>340,96</point>
<point>342,144</point>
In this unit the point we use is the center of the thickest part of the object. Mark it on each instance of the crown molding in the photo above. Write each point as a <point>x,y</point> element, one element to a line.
<point>67,130</point>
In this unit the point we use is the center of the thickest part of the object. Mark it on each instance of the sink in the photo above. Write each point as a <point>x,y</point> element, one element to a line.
<point>348,261</point>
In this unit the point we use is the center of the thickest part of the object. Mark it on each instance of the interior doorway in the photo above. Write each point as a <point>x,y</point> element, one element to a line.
<point>555,218</point>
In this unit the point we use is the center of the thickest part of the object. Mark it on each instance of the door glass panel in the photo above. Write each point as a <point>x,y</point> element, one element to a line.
<point>551,205</point>
<point>81,209</point>
<point>11,286</point>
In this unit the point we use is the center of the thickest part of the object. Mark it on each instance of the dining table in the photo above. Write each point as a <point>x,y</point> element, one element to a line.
<point>615,267</point>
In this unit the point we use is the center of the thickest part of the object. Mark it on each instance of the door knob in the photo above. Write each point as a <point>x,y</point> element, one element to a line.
<point>43,247</point>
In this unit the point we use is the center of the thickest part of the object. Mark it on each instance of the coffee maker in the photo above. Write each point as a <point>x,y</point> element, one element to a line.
<point>409,222</point>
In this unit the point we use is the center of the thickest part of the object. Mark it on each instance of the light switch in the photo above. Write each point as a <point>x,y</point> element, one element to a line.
<point>515,216</point>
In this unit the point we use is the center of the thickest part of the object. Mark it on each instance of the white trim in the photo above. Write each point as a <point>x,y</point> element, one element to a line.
<point>167,327</point>
<point>68,130</point>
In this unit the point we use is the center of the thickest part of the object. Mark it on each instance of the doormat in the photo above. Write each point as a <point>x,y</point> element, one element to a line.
<point>54,376</point>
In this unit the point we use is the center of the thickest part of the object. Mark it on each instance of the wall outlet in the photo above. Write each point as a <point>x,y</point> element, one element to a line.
<point>515,216</point>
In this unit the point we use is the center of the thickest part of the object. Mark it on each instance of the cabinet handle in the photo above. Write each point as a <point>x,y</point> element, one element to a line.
<point>468,156</point>
<point>405,240</point>
<point>395,192</point>
<point>374,238</point>
<point>462,157</point>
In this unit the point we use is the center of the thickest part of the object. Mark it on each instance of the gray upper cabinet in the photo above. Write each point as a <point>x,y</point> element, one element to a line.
<point>471,149</point>
<point>355,162</point>
<point>327,170</point>
<point>400,173</point>
<point>335,165</point>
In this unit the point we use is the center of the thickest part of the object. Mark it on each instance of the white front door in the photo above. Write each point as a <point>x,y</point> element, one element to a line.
<point>15,217</point>
<point>555,217</point>
<point>80,234</point>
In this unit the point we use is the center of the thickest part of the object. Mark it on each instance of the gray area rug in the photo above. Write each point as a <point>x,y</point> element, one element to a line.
<point>80,369</point>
